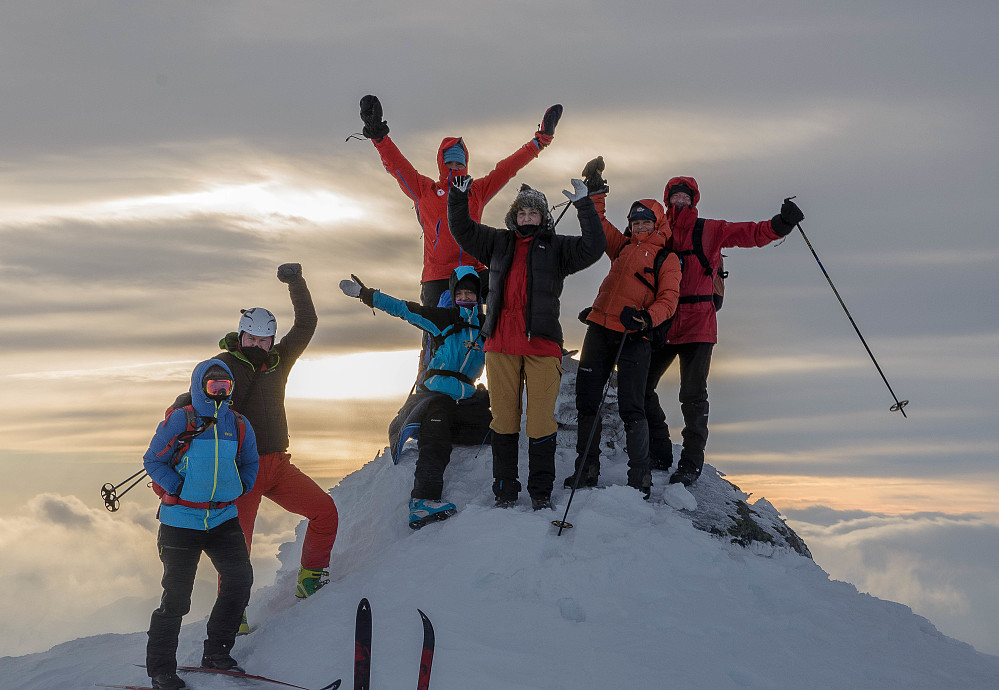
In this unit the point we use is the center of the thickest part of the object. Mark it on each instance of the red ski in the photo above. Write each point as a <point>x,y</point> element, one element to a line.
<point>427,658</point>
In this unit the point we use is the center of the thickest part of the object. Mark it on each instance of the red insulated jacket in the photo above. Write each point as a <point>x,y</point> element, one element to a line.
<point>696,321</point>
<point>441,254</point>
<point>631,257</point>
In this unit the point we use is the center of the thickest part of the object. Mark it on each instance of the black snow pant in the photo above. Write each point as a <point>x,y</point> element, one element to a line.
<point>445,423</point>
<point>695,361</point>
<point>596,362</point>
<point>180,550</point>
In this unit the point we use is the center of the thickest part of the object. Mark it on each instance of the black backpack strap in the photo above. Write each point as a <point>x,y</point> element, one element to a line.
<point>698,250</point>
<point>453,374</point>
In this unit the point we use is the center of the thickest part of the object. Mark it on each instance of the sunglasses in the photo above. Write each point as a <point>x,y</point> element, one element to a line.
<point>218,387</point>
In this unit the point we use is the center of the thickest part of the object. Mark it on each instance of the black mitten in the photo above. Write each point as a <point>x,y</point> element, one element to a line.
<point>371,115</point>
<point>595,183</point>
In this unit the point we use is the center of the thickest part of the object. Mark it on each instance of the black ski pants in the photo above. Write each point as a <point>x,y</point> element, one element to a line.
<point>180,550</point>
<point>695,361</point>
<point>443,424</point>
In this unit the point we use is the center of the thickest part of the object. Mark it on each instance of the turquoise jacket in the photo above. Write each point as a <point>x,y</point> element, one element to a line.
<point>216,468</point>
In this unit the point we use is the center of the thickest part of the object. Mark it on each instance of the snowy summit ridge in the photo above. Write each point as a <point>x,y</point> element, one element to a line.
<point>675,592</point>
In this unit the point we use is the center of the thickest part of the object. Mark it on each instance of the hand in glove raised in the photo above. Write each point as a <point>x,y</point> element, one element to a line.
<point>595,183</point>
<point>289,273</point>
<point>352,287</point>
<point>546,130</point>
<point>578,192</point>
<point>462,183</point>
<point>371,115</point>
<point>790,215</point>
<point>636,320</point>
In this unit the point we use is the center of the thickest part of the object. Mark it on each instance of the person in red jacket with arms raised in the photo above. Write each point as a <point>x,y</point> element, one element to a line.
<point>441,254</point>
<point>694,332</point>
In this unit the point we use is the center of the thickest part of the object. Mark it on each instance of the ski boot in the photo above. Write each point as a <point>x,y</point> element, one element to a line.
<point>220,661</point>
<point>168,681</point>
<point>423,511</point>
<point>311,581</point>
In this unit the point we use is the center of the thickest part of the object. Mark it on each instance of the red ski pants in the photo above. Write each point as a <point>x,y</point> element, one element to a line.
<point>293,490</point>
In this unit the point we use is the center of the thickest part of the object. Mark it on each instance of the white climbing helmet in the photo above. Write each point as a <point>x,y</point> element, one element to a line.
<point>257,321</point>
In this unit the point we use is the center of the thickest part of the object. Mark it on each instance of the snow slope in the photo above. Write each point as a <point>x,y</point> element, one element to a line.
<point>633,596</point>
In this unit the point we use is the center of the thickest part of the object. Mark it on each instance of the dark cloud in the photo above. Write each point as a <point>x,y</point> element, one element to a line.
<point>64,511</point>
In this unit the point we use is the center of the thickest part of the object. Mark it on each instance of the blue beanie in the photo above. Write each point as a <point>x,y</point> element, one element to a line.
<point>455,154</point>
<point>640,212</point>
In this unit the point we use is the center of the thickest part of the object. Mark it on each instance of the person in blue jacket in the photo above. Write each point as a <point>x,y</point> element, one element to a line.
<point>197,514</point>
<point>446,396</point>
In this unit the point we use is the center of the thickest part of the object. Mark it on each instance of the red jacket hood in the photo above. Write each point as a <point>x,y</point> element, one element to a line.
<point>689,181</point>
<point>447,143</point>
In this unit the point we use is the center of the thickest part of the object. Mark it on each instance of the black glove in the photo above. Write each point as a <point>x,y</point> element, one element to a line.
<point>595,183</point>
<point>551,118</point>
<point>368,296</point>
<point>289,273</point>
<point>583,316</point>
<point>636,320</point>
<point>371,115</point>
<point>462,183</point>
<point>790,215</point>
<point>547,128</point>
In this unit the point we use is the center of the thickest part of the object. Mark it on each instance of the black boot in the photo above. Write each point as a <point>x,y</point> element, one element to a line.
<point>660,454</point>
<point>541,472</point>
<point>506,488</point>
<point>168,681</point>
<point>687,471</point>
<point>591,472</point>
<point>637,447</point>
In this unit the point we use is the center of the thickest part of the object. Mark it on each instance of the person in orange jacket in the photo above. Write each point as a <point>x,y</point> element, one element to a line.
<point>441,254</point>
<point>694,331</point>
<point>639,294</point>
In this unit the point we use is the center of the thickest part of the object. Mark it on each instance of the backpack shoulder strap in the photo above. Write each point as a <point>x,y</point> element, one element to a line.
<point>698,238</point>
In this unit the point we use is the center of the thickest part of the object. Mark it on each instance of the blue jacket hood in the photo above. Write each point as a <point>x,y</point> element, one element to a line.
<point>463,272</point>
<point>204,405</point>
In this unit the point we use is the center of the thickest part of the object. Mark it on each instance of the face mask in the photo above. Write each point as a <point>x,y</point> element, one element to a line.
<point>257,356</point>
<point>466,305</point>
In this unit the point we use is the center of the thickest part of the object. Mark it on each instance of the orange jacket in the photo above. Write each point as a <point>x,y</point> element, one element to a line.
<point>441,254</point>
<point>633,256</point>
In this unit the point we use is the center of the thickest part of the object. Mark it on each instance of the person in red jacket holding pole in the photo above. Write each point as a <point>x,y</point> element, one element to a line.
<point>441,254</point>
<point>694,331</point>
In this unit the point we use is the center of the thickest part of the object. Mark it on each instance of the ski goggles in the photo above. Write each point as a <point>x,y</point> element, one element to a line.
<point>218,388</point>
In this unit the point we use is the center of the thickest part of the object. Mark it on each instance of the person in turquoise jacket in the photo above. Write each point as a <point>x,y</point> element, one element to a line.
<point>446,404</point>
<point>201,483</point>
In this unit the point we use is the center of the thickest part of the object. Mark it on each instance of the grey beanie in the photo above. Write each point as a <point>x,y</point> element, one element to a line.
<point>528,198</point>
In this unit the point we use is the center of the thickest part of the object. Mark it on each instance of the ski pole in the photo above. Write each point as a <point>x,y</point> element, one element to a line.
<point>566,204</point>
<point>111,499</point>
<point>562,524</point>
<point>899,405</point>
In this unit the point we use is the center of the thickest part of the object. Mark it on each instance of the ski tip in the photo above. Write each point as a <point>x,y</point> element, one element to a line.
<point>332,686</point>
<point>363,605</point>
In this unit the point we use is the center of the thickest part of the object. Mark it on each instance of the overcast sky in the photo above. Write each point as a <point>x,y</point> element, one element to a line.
<point>159,160</point>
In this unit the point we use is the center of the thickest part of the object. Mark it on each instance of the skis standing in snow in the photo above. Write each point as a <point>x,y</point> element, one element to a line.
<point>198,514</point>
<point>441,254</point>
<point>694,331</point>
<point>639,293</point>
<point>528,263</point>
<point>447,397</point>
